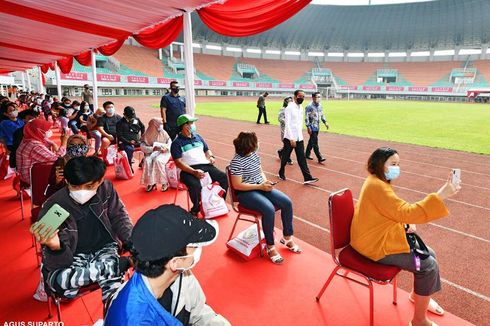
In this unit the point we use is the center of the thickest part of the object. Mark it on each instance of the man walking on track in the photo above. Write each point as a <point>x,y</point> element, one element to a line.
<point>314,114</point>
<point>261,106</point>
<point>293,137</point>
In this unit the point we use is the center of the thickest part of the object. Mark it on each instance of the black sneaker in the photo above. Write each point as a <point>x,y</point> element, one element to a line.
<point>267,123</point>
<point>322,160</point>
<point>309,157</point>
<point>310,181</point>
<point>281,176</point>
<point>279,153</point>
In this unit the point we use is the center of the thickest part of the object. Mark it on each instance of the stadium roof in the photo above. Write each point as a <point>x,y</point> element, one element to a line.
<point>436,24</point>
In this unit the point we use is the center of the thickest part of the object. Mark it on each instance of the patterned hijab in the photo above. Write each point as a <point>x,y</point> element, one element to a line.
<point>154,134</point>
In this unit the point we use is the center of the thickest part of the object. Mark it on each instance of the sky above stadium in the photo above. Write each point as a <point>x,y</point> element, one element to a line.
<point>362,2</point>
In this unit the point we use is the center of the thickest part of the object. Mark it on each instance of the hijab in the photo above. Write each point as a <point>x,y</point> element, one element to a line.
<point>36,130</point>
<point>154,134</point>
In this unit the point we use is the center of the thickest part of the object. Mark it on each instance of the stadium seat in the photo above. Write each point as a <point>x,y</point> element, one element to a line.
<point>341,211</point>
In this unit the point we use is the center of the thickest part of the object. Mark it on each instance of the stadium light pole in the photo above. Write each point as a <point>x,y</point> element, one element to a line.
<point>58,79</point>
<point>189,65</point>
<point>94,78</point>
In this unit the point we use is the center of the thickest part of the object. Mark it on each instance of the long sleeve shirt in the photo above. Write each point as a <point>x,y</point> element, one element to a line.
<point>377,228</point>
<point>314,114</point>
<point>33,151</point>
<point>293,122</point>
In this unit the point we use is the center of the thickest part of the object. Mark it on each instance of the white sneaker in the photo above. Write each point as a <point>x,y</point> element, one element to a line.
<point>40,294</point>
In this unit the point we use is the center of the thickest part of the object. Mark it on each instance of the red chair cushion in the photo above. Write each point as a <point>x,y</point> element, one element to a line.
<point>350,258</point>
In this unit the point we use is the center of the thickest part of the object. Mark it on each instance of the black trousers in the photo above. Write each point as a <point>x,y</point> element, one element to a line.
<point>172,132</point>
<point>264,112</point>
<point>313,144</point>
<point>193,184</point>
<point>300,156</point>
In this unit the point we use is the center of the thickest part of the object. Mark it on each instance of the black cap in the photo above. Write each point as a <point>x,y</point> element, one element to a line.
<point>163,231</point>
<point>129,112</point>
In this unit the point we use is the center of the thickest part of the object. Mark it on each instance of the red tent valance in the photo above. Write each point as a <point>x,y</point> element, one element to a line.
<point>161,35</point>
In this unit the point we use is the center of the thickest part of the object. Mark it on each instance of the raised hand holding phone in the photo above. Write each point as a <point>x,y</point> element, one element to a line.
<point>456,177</point>
<point>449,189</point>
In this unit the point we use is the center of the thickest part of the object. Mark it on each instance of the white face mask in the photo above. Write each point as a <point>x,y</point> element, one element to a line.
<point>48,134</point>
<point>14,114</point>
<point>82,196</point>
<point>196,255</point>
<point>110,111</point>
<point>160,128</point>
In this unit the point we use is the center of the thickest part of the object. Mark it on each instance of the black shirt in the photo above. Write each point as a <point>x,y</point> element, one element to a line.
<point>109,123</point>
<point>92,234</point>
<point>128,131</point>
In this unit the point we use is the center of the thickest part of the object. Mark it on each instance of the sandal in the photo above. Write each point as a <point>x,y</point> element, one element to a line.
<point>150,187</point>
<point>295,248</point>
<point>277,258</point>
<point>164,187</point>
<point>433,307</point>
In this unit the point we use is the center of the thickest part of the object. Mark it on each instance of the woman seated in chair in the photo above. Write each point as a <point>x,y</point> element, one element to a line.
<point>256,193</point>
<point>382,220</point>
<point>155,144</point>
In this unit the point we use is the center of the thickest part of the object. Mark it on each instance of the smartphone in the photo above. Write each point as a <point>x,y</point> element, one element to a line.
<point>53,218</point>
<point>272,183</point>
<point>456,176</point>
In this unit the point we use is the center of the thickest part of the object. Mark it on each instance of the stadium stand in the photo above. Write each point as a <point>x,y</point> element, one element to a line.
<point>219,70</point>
<point>139,61</point>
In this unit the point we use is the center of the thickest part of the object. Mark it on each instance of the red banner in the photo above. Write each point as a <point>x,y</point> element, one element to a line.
<point>395,88</point>
<point>109,78</point>
<point>442,89</point>
<point>263,85</point>
<point>138,79</point>
<point>164,80</point>
<point>197,82</point>
<point>216,83</point>
<point>371,88</point>
<point>307,86</point>
<point>286,85</point>
<point>417,89</point>
<point>241,84</point>
<point>349,88</point>
<point>75,76</point>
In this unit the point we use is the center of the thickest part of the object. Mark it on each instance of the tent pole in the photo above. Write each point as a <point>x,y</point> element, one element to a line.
<point>29,85</point>
<point>189,65</point>
<point>58,79</point>
<point>23,81</point>
<point>40,81</point>
<point>94,78</point>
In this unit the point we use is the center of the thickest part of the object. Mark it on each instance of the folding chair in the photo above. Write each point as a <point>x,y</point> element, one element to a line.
<point>39,182</point>
<point>341,212</point>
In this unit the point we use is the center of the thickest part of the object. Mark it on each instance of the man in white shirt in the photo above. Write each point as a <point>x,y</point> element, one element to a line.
<point>293,137</point>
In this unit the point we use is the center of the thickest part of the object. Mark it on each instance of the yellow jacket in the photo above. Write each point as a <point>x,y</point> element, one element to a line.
<point>378,225</point>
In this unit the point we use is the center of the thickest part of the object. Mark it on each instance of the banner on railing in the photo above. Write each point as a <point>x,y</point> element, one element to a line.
<point>263,85</point>
<point>75,76</point>
<point>417,89</point>
<point>197,82</point>
<point>109,78</point>
<point>286,85</point>
<point>164,80</point>
<point>216,83</point>
<point>307,86</point>
<point>241,84</point>
<point>349,88</point>
<point>442,89</point>
<point>138,79</point>
<point>395,88</point>
<point>371,88</point>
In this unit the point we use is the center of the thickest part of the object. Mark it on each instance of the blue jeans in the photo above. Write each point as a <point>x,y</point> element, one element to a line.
<point>265,203</point>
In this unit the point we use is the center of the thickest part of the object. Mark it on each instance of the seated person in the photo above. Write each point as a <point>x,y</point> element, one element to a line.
<point>255,192</point>
<point>93,129</point>
<point>155,144</point>
<point>10,125</point>
<point>82,119</point>
<point>193,156</point>
<point>129,130</point>
<point>378,228</point>
<point>36,147</point>
<point>167,244</point>
<point>75,146</point>
<point>74,117</point>
<point>26,116</point>
<point>84,250</point>
<point>106,126</point>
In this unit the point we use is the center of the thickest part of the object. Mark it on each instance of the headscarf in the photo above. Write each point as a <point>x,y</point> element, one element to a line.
<point>78,149</point>
<point>36,129</point>
<point>154,134</point>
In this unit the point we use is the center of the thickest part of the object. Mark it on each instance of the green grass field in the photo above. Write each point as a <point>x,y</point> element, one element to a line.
<point>457,126</point>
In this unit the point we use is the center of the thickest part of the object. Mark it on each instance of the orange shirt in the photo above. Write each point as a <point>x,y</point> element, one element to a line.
<point>378,224</point>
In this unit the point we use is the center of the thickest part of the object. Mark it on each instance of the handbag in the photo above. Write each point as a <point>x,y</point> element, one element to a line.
<point>417,246</point>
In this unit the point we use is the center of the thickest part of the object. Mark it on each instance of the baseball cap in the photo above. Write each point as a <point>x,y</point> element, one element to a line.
<point>163,231</point>
<point>184,118</point>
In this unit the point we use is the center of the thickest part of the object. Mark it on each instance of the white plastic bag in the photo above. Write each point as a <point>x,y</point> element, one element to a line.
<point>212,202</point>
<point>246,243</point>
<point>121,166</point>
<point>173,174</point>
<point>111,154</point>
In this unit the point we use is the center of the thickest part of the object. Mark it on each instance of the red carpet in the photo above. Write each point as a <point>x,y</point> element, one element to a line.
<point>247,293</point>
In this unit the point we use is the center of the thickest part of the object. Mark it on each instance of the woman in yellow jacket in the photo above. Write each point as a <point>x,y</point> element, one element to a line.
<point>378,229</point>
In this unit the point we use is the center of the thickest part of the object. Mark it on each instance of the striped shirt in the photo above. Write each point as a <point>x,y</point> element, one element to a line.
<point>248,167</point>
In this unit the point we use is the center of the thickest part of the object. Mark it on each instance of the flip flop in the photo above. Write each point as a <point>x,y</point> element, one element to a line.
<point>433,305</point>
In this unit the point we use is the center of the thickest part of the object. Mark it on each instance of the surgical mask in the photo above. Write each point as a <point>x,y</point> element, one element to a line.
<point>196,255</point>
<point>110,111</point>
<point>193,128</point>
<point>82,196</point>
<point>76,108</point>
<point>48,134</point>
<point>76,150</point>
<point>160,128</point>
<point>175,89</point>
<point>393,172</point>
<point>14,114</point>
<point>300,100</point>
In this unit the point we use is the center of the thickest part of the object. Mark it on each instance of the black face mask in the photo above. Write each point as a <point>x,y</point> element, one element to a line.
<point>175,89</point>
<point>300,100</point>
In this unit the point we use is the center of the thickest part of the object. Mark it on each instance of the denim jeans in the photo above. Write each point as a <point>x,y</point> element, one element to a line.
<point>265,203</point>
